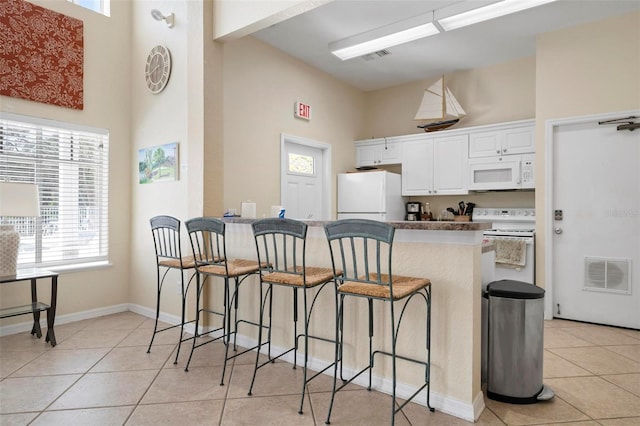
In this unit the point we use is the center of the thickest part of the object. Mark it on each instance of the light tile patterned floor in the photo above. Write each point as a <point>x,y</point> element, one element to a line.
<point>100,374</point>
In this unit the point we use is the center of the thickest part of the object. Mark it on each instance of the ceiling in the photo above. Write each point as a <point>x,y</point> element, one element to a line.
<point>503,39</point>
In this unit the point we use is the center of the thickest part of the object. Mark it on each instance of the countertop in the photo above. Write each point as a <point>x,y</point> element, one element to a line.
<point>415,225</point>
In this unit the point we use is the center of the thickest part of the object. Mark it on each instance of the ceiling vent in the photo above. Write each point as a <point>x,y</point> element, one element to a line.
<point>376,55</point>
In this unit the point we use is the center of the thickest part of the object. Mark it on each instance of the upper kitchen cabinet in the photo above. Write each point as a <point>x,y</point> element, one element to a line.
<point>378,152</point>
<point>435,166</point>
<point>514,138</point>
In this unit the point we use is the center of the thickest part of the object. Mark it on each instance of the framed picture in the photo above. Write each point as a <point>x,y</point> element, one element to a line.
<point>158,163</point>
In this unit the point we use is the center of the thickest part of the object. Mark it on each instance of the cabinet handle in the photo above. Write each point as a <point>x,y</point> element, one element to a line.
<point>435,192</point>
<point>497,151</point>
<point>504,150</point>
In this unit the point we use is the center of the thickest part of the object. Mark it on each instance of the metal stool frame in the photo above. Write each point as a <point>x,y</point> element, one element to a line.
<point>357,248</point>
<point>281,248</point>
<point>166,241</point>
<point>208,242</point>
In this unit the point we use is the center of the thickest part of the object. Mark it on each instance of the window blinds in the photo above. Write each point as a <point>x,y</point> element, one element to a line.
<point>69,163</point>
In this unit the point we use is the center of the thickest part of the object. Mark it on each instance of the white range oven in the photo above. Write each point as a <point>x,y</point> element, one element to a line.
<point>513,231</point>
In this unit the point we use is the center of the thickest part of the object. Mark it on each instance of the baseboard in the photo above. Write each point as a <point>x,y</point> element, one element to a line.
<point>63,319</point>
<point>447,405</point>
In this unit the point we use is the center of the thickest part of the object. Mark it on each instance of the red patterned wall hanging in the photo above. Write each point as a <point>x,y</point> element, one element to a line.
<point>41,55</point>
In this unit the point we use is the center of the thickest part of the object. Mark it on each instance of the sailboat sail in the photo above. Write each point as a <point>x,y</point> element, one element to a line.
<point>439,103</point>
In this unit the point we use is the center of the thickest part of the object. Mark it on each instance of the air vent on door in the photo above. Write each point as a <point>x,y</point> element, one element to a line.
<point>608,275</point>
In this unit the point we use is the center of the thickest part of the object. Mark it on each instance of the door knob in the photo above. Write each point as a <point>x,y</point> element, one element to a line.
<point>558,231</point>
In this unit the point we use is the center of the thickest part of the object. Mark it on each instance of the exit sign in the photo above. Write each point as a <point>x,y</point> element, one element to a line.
<point>302,111</point>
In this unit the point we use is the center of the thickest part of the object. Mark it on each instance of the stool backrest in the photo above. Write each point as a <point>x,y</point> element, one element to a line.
<point>166,237</point>
<point>207,236</point>
<point>281,245</point>
<point>361,249</point>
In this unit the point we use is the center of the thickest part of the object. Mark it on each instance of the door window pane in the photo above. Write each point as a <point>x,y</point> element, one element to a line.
<point>301,164</point>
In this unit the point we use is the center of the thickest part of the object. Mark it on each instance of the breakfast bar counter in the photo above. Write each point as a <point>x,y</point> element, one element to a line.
<point>447,253</point>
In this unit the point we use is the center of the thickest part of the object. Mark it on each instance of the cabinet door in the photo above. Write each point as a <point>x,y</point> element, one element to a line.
<point>518,141</point>
<point>366,155</point>
<point>390,153</point>
<point>485,144</point>
<point>417,168</point>
<point>450,155</point>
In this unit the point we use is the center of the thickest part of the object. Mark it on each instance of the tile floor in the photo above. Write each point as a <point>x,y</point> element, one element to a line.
<point>100,374</point>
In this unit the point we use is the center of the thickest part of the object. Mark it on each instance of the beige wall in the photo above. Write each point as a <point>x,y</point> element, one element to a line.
<point>492,94</point>
<point>178,114</point>
<point>107,83</point>
<point>261,86</point>
<point>589,69</point>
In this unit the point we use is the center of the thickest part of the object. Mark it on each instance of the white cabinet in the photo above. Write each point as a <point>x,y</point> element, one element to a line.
<point>435,166</point>
<point>515,140</point>
<point>378,152</point>
<point>417,168</point>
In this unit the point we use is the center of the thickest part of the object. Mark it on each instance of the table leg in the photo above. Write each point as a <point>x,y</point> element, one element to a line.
<point>36,314</point>
<point>51,312</point>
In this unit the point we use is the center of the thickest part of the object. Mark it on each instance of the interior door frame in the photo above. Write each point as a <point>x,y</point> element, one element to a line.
<point>326,166</point>
<point>550,128</point>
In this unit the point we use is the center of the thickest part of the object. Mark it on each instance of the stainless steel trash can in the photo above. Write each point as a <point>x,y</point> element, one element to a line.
<point>515,342</point>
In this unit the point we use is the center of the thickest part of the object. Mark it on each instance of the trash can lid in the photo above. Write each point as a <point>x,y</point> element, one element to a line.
<point>514,290</point>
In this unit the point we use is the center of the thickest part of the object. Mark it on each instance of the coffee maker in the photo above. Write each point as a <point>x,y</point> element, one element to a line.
<point>413,211</point>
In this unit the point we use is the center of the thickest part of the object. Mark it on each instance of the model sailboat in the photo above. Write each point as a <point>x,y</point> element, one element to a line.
<point>438,103</point>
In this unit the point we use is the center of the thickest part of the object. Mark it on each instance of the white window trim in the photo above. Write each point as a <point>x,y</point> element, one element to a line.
<point>79,138</point>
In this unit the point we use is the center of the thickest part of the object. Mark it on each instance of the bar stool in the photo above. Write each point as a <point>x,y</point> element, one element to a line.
<point>208,242</point>
<point>281,247</point>
<point>358,248</point>
<point>166,240</point>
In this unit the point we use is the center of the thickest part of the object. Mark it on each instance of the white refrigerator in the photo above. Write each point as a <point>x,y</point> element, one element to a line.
<point>370,195</point>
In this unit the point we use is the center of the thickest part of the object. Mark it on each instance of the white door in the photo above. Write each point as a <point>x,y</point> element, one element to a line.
<point>303,183</point>
<point>595,220</point>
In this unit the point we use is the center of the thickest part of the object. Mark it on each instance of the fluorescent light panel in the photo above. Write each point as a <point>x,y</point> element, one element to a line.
<point>486,13</point>
<point>380,43</point>
<point>370,42</point>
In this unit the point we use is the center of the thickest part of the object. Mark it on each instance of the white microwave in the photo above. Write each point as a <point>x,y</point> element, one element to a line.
<point>505,172</point>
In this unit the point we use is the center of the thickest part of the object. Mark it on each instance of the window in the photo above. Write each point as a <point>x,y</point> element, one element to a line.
<point>301,164</point>
<point>69,164</point>
<point>100,6</point>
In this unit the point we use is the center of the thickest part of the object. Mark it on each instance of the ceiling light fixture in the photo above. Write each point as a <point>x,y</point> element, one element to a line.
<point>384,37</point>
<point>485,13</point>
<point>428,24</point>
<point>159,16</point>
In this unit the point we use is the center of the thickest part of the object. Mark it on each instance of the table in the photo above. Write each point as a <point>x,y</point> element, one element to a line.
<point>35,307</point>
